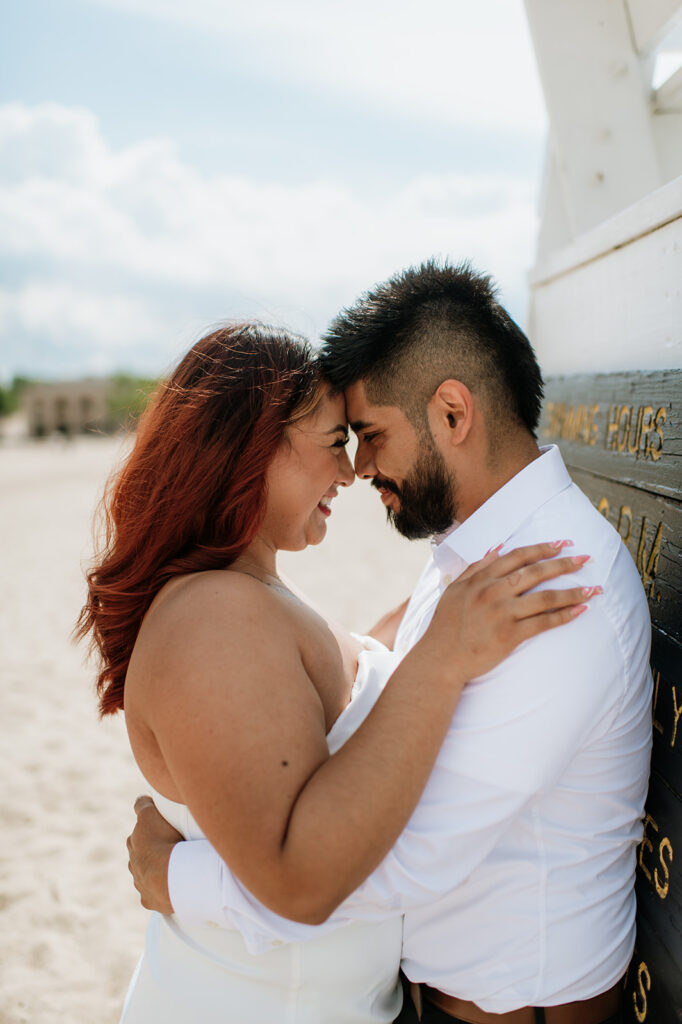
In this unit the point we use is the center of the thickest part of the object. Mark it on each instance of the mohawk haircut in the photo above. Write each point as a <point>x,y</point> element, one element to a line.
<point>428,324</point>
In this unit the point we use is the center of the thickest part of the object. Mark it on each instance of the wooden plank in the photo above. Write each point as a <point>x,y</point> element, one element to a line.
<point>621,437</point>
<point>651,528</point>
<point>659,864</point>
<point>652,20</point>
<point>600,120</point>
<point>625,307</point>
<point>643,217</point>
<point>625,427</point>
<point>667,125</point>
<point>668,98</point>
<point>666,665</point>
<point>653,987</point>
<point>555,233</point>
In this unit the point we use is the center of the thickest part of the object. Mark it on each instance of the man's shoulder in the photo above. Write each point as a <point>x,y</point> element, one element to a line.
<point>608,640</point>
<point>571,516</point>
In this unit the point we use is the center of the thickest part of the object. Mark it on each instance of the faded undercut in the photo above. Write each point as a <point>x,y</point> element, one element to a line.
<point>428,324</point>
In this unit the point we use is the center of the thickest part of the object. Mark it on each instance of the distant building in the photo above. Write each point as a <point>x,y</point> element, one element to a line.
<point>69,407</point>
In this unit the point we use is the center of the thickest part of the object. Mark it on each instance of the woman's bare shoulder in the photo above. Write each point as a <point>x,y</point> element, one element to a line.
<point>219,588</point>
<point>212,610</point>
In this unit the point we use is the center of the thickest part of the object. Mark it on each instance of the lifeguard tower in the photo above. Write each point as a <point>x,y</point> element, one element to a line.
<point>606,322</point>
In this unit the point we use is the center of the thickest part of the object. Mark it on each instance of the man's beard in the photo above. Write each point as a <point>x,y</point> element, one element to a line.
<point>427,497</point>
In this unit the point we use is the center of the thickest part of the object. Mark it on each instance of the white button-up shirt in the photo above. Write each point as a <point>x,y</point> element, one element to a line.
<point>516,871</point>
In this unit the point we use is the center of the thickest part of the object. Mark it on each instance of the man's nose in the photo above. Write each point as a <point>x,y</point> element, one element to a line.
<point>364,463</point>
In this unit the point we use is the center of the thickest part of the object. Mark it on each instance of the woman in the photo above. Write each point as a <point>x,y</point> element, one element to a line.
<point>231,684</point>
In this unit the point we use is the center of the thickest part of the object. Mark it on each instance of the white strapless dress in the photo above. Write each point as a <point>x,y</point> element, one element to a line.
<point>206,975</point>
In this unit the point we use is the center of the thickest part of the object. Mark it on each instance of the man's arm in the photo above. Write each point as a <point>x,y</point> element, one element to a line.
<point>514,733</point>
<point>386,628</point>
<point>149,848</point>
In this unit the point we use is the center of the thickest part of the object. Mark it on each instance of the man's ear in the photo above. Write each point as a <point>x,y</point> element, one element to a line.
<point>451,412</point>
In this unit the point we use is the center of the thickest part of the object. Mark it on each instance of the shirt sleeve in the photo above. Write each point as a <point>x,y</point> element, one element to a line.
<point>514,732</point>
<point>203,891</point>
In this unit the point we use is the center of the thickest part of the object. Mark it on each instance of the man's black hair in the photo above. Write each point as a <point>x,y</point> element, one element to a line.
<point>428,324</point>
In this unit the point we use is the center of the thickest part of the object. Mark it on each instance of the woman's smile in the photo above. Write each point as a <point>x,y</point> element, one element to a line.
<point>324,504</point>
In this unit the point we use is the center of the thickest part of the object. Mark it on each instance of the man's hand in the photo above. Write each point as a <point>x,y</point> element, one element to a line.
<point>149,850</point>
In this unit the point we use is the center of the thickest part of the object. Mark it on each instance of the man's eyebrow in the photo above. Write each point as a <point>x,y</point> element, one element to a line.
<point>358,425</point>
<point>340,427</point>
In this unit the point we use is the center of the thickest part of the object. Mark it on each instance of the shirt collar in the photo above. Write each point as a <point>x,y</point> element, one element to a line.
<point>504,512</point>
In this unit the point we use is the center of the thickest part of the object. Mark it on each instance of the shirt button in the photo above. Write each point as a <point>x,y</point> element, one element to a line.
<point>277,942</point>
<point>447,580</point>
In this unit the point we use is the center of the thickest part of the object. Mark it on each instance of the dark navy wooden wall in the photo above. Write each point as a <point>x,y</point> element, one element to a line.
<point>621,437</point>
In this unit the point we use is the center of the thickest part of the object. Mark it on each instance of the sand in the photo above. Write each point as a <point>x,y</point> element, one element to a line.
<point>71,927</point>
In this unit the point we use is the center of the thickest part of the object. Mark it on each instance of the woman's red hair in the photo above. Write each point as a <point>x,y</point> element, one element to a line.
<point>191,494</point>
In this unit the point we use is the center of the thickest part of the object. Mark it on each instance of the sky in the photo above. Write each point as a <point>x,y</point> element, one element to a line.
<point>168,165</point>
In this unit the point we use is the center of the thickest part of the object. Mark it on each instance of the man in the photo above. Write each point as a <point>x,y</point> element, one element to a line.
<point>516,871</point>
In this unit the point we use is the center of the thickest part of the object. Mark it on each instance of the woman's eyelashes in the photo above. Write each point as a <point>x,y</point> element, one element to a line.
<point>342,442</point>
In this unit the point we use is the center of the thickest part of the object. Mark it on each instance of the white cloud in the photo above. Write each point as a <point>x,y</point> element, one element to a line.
<point>133,243</point>
<point>70,315</point>
<point>450,60</point>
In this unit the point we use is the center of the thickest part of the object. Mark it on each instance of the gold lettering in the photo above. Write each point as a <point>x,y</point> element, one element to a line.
<point>678,712</point>
<point>656,451</point>
<point>662,887</point>
<point>656,724</point>
<point>646,844</point>
<point>603,507</point>
<point>580,423</point>
<point>568,427</point>
<point>625,514</point>
<point>624,421</point>
<point>645,430</point>
<point>633,446</point>
<point>611,427</point>
<point>648,566</point>
<point>636,430</point>
<point>644,982</point>
<point>592,427</point>
<point>558,419</point>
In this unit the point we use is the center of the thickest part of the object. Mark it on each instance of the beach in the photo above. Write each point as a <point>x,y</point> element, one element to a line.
<point>72,926</point>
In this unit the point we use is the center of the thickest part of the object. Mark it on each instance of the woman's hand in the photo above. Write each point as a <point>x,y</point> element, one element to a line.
<point>489,610</point>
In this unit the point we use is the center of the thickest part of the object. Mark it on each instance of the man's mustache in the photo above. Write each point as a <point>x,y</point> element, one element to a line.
<point>387,485</point>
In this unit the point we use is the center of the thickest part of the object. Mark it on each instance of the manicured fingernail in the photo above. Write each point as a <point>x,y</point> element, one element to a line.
<point>561,544</point>
<point>580,559</point>
<point>578,610</point>
<point>592,591</point>
<point>491,551</point>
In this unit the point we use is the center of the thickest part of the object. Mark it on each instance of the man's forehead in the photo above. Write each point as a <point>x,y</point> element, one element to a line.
<point>357,408</point>
<point>360,411</point>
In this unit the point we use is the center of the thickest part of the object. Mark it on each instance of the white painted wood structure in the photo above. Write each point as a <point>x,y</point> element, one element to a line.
<point>606,323</point>
<point>606,290</point>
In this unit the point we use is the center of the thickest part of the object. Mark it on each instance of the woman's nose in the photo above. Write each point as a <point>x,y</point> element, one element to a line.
<point>346,474</point>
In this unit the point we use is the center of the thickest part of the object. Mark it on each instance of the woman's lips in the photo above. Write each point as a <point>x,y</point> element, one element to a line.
<point>325,503</point>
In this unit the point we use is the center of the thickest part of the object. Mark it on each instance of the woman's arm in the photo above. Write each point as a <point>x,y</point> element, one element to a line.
<point>245,745</point>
